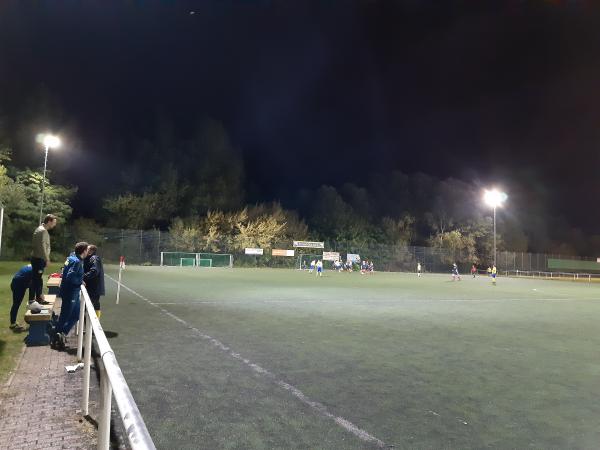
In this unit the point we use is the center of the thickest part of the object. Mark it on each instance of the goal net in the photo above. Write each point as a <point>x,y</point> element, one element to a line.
<point>193,259</point>
<point>303,261</point>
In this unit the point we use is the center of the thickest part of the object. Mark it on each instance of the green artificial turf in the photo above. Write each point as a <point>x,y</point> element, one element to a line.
<point>417,363</point>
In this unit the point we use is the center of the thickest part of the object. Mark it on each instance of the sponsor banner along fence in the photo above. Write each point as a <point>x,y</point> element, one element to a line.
<point>281,252</point>
<point>331,256</point>
<point>308,244</point>
<point>145,246</point>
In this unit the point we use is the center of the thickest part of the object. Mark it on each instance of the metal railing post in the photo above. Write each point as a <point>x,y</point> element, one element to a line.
<point>80,327</point>
<point>86,368</point>
<point>104,426</point>
<point>112,382</point>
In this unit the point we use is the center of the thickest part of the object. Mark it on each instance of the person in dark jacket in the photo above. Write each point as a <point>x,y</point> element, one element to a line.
<point>70,288</point>
<point>94,277</point>
<point>19,284</point>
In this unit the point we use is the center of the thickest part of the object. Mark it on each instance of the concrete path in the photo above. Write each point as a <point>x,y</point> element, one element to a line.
<point>40,405</point>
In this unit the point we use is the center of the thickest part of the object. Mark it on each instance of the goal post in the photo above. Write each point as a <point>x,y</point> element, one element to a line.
<point>187,262</point>
<point>303,261</point>
<point>181,259</point>
<point>204,262</point>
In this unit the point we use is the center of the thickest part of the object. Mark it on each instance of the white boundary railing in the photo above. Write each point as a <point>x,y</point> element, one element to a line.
<point>553,275</point>
<point>112,382</point>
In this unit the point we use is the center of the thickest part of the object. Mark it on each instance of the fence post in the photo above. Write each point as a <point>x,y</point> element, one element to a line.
<point>104,426</point>
<point>122,232</point>
<point>86,367</point>
<point>141,237</point>
<point>159,244</point>
<point>80,326</point>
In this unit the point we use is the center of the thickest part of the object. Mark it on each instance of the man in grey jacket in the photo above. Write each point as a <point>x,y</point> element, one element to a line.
<point>40,258</point>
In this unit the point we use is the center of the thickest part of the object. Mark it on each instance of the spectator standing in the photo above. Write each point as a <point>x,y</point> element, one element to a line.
<point>94,277</point>
<point>40,257</point>
<point>19,284</point>
<point>70,287</point>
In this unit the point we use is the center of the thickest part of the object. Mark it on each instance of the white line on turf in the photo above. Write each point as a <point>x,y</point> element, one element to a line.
<point>191,302</point>
<point>318,407</point>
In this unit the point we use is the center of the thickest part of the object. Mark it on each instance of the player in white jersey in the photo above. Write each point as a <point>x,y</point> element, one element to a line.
<point>319,268</point>
<point>312,266</point>
<point>418,269</point>
<point>455,274</point>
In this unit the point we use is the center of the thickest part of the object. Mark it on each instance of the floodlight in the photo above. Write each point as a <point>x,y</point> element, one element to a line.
<point>51,141</point>
<point>494,198</point>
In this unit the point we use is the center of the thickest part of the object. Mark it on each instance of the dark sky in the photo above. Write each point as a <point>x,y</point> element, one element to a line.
<point>505,91</point>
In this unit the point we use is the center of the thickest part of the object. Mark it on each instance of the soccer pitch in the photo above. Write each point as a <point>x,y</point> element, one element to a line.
<point>267,358</point>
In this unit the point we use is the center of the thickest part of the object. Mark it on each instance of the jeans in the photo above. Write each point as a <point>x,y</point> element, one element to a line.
<point>37,284</point>
<point>69,312</point>
<point>18,292</point>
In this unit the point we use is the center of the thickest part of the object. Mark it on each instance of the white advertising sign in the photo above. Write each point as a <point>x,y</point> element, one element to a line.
<point>353,257</point>
<point>308,244</point>
<point>331,256</point>
<point>254,251</point>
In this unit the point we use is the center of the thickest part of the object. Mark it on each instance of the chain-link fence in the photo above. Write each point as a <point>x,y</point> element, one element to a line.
<point>145,247</point>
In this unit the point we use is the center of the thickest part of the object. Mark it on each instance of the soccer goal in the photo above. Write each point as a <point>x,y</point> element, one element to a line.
<point>303,261</point>
<point>187,262</point>
<point>193,259</point>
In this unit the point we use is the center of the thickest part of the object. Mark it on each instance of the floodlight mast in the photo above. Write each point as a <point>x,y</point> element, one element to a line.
<point>494,198</point>
<point>49,142</point>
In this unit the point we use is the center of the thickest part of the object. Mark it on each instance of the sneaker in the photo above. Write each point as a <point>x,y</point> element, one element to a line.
<point>43,302</point>
<point>16,327</point>
<point>35,307</point>
<point>58,341</point>
<point>41,297</point>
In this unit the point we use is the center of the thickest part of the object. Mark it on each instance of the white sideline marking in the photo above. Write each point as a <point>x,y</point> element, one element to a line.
<point>318,407</point>
<point>192,302</point>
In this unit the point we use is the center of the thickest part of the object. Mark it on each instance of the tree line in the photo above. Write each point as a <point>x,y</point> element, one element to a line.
<point>196,188</point>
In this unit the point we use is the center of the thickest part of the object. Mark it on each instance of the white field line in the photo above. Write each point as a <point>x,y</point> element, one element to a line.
<point>191,302</point>
<point>318,407</point>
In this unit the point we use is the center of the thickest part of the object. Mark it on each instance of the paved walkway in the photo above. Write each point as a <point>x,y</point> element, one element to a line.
<point>40,406</point>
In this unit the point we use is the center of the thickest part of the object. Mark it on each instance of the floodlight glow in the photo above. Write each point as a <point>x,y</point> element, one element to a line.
<point>494,198</point>
<point>51,141</point>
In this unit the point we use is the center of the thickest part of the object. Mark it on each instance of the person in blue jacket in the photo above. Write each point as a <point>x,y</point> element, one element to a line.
<point>19,284</point>
<point>70,287</point>
<point>94,277</point>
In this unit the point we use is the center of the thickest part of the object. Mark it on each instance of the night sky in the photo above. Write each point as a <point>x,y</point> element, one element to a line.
<point>501,92</point>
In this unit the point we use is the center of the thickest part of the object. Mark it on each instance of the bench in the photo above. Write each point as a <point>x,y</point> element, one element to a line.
<point>38,323</point>
<point>53,285</point>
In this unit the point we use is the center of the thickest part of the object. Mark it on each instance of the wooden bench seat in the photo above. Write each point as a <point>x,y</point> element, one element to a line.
<point>38,323</point>
<point>53,285</point>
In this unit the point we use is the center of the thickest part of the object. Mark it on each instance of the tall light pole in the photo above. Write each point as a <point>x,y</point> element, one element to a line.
<point>49,142</point>
<point>494,198</point>
<point>1,224</point>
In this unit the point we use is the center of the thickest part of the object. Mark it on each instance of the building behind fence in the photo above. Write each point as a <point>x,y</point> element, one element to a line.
<point>145,247</point>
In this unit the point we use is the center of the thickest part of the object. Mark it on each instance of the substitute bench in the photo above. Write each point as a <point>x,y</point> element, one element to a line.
<point>38,323</point>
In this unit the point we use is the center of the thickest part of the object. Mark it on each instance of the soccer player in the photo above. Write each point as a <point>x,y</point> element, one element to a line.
<point>473,270</point>
<point>494,273</point>
<point>319,268</point>
<point>371,268</point>
<point>312,266</point>
<point>419,269</point>
<point>455,274</point>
